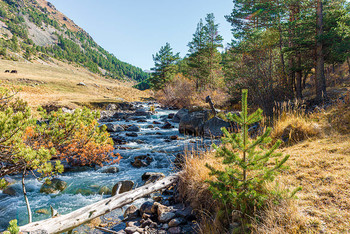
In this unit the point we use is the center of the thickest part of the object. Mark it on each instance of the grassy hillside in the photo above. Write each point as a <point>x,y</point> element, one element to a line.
<point>57,83</point>
<point>32,30</point>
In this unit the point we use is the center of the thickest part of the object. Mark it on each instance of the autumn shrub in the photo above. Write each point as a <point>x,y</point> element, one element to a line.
<point>76,137</point>
<point>178,93</point>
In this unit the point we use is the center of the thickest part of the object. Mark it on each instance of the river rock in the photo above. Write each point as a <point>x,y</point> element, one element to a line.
<point>133,230</point>
<point>174,138</point>
<point>10,191</point>
<point>114,127</point>
<point>212,127</point>
<point>85,192</point>
<point>133,128</point>
<point>174,230</point>
<point>138,163</point>
<point>110,170</point>
<point>142,112</point>
<point>150,126</point>
<point>167,125</point>
<point>132,134</point>
<point>171,115</point>
<point>165,216</point>
<point>119,140</point>
<point>176,222</point>
<point>179,115</point>
<point>150,177</point>
<point>156,122</point>
<point>56,185</point>
<point>126,186</point>
<point>131,212</point>
<point>104,190</point>
<point>147,208</point>
<point>111,107</point>
<point>193,123</point>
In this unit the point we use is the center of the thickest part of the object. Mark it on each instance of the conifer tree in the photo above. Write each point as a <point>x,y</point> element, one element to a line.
<point>241,185</point>
<point>204,57</point>
<point>165,67</point>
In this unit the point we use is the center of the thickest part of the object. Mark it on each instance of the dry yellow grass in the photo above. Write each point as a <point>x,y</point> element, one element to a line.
<point>319,162</point>
<point>56,82</point>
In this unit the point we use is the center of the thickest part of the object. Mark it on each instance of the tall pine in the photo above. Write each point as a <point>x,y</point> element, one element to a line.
<point>164,68</point>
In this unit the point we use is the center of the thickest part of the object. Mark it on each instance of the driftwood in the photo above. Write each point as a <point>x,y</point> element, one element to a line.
<point>76,218</point>
<point>208,100</point>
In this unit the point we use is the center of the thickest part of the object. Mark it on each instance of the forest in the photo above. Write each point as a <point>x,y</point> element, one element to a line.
<point>279,50</point>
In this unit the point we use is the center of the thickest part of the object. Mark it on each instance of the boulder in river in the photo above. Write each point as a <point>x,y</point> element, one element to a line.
<point>131,134</point>
<point>114,127</point>
<point>133,128</point>
<point>110,170</point>
<point>167,125</point>
<point>104,190</point>
<point>10,191</point>
<point>53,186</point>
<point>193,123</point>
<point>179,115</point>
<point>122,186</point>
<point>212,127</point>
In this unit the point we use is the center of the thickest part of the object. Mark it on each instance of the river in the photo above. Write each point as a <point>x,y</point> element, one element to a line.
<point>152,141</point>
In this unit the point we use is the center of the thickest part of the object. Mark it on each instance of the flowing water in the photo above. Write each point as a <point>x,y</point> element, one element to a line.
<point>152,141</point>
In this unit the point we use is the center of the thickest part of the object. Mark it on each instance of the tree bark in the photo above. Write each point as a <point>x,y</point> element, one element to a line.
<point>76,218</point>
<point>26,198</point>
<point>320,80</point>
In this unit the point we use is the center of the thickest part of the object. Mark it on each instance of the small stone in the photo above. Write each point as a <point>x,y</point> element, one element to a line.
<point>176,222</point>
<point>174,230</point>
<point>148,222</point>
<point>165,226</point>
<point>156,122</point>
<point>133,230</point>
<point>150,126</point>
<point>174,138</point>
<point>110,170</point>
<point>165,216</point>
<point>146,216</point>
<point>114,127</point>
<point>167,125</point>
<point>147,208</point>
<point>142,121</point>
<point>171,115</point>
<point>158,198</point>
<point>139,163</point>
<point>131,212</point>
<point>133,128</point>
<point>131,134</point>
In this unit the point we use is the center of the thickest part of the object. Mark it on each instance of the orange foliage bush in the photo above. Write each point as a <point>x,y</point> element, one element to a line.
<point>76,138</point>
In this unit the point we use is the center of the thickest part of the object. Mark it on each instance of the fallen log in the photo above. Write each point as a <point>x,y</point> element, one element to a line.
<point>76,218</point>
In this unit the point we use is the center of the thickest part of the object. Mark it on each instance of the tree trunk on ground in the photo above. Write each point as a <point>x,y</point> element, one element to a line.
<point>72,220</point>
<point>320,80</point>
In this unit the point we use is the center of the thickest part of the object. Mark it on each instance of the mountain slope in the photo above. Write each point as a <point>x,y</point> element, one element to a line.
<point>35,30</point>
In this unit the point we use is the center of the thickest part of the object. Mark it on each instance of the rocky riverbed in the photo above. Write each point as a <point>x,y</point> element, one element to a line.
<point>148,139</point>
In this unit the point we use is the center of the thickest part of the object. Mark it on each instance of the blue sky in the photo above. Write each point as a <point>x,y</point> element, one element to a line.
<point>133,30</point>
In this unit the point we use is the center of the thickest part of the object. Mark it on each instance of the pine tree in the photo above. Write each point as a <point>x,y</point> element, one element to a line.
<point>165,67</point>
<point>204,57</point>
<point>241,185</point>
